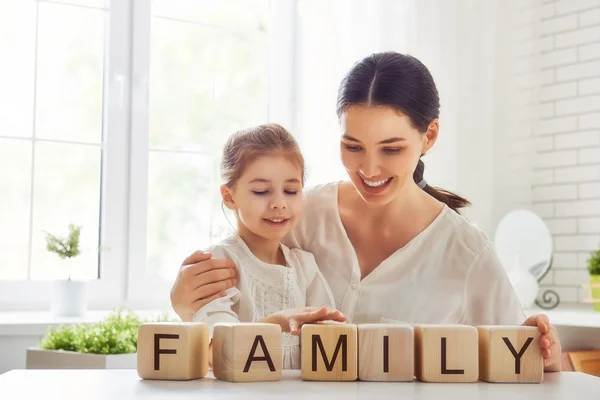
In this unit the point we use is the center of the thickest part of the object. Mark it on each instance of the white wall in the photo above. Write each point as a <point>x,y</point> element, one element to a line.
<point>519,83</point>
<point>548,153</point>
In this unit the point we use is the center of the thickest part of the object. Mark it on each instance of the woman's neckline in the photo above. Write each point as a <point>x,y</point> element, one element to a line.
<point>412,242</point>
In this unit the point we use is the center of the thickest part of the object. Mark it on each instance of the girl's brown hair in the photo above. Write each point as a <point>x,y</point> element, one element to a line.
<point>246,145</point>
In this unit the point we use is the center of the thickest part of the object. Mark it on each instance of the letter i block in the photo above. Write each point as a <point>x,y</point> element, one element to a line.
<point>446,353</point>
<point>329,352</point>
<point>172,351</point>
<point>247,352</point>
<point>510,354</point>
<point>385,352</point>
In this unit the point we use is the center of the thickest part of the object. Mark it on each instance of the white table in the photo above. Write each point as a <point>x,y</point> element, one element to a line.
<point>125,384</point>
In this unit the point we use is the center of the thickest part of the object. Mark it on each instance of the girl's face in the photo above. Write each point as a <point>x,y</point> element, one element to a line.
<point>380,150</point>
<point>268,196</point>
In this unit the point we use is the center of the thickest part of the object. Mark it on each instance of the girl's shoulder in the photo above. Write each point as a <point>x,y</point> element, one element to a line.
<point>228,247</point>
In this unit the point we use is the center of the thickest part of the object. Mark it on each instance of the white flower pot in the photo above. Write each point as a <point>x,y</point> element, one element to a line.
<point>59,359</point>
<point>69,298</point>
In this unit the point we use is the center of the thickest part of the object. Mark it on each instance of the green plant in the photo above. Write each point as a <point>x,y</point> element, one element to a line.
<point>594,263</point>
<point>116,334</point>
<point>65,247</point>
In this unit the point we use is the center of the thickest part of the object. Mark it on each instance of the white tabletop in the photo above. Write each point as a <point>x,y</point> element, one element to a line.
<point>125,384</point>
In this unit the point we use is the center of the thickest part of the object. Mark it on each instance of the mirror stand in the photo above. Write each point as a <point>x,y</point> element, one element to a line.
<point>549,298</point>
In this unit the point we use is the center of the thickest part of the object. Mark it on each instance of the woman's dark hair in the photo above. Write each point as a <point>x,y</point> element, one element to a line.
<point>402,82</point>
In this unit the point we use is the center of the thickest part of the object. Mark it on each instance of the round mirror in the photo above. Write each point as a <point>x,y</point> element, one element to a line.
<point>523,241</point>
<point>524,246</point>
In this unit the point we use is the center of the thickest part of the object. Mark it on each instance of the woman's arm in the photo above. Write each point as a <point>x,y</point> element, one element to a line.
<point>491,300</point>
<point>200,280</point>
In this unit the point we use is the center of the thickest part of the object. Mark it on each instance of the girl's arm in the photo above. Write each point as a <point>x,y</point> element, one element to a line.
<point>292,319</point>
<point>219,310</point>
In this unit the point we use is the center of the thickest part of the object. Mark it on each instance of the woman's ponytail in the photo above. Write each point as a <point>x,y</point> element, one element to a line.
<point>453,201</point>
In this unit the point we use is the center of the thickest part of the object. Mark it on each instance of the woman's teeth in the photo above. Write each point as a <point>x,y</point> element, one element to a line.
<point>276,219</point>
<point>376,184</point>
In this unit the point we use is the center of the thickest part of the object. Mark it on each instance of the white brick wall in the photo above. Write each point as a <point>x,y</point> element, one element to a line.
<point>556,65</point>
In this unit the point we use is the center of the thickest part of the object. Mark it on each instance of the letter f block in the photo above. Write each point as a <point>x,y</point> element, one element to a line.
<point>172,351</point>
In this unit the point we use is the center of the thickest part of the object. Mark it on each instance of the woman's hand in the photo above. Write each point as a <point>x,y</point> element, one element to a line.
<point>199,281</point>
<point>549,342</point>
<point>292,319</point>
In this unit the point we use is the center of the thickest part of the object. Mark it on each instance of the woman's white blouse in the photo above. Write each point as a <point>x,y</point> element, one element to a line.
<point>264,289</point>
<point>448,274</point>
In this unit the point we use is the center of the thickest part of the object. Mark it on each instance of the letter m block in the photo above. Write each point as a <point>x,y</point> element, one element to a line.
<point>329,352</point>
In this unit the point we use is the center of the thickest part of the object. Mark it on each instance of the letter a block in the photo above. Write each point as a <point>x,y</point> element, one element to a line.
<point>510,354</point>
<point>446,353</point>
<point>385,352</point>
<point>247,352</point>
<point>172,351</point>
<point>329,352</point>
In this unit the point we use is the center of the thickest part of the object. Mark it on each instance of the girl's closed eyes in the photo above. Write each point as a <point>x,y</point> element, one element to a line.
<point>264,192</point>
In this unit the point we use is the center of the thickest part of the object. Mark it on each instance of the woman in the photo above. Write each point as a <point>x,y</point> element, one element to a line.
<point>389,245</point>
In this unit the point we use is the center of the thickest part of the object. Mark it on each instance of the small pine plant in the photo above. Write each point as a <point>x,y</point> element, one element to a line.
<point>65,247</point>
<point>594,263</point>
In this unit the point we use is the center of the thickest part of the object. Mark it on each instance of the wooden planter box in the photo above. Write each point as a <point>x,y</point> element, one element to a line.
<point>58,359</point>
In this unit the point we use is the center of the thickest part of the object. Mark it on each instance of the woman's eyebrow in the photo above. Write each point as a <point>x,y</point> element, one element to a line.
<point>386,141</point>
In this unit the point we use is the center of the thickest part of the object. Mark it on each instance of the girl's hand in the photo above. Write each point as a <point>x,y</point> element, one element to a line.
<point>549,342</point>
<point>292,319</point>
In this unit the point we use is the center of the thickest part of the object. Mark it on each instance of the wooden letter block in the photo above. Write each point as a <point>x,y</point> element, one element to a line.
<point>446,353</point>
<point>247,352</point>
<point>385,352</point>
<point>172,351</point>
<point>329,352</point>
<point>510,354</point>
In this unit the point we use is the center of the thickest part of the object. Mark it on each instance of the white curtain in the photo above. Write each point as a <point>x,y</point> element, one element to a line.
<point>467,46</point>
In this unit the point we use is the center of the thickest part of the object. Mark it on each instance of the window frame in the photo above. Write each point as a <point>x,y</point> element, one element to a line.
<point>122,277</point>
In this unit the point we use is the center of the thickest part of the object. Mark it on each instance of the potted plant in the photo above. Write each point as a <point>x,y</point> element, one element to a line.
<point>107,344</point>
<point>69,297</point>
<point>594,271</point>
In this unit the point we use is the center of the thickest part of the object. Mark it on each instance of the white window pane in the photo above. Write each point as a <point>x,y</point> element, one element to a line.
<point>69,73</point>
<point>181,198</point>
<point>87,3</point>
<point>15,178</point>
<point>17,22</point>
<point>66,190</point>
<point>239,15</point>
<point>205,83</point>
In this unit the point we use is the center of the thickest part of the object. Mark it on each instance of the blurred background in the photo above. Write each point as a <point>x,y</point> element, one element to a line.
<point>113,114</point>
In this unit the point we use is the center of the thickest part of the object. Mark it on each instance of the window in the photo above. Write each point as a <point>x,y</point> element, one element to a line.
<point>113,115</point>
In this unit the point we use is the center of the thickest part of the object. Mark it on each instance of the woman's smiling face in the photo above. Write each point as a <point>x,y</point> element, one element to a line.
<point>380,150</point>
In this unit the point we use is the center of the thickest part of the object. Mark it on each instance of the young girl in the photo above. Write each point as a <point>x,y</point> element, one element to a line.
<point>263,176</point>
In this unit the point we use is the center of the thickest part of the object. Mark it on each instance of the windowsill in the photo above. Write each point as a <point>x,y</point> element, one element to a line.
<point>36,323</point>
<point>572,315</point>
